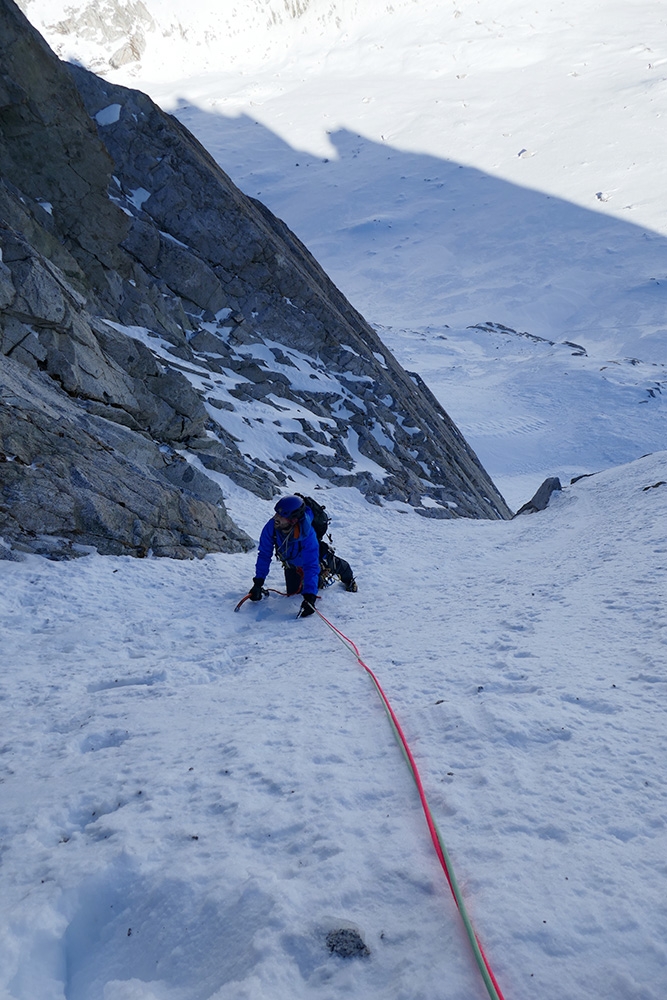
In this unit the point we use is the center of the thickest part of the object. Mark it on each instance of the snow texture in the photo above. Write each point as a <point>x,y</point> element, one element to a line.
<point>192,801</point>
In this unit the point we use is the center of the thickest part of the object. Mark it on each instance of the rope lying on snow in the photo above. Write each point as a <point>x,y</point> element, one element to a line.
<point>490,980</point>
<point>438,843</point>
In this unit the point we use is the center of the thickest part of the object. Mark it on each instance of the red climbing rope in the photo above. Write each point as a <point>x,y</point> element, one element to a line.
<point>487,974</point>
<point>489,978</point>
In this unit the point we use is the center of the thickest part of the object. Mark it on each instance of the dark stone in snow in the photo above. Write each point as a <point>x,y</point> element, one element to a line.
<point>347,943</point>
<point>541,499</point>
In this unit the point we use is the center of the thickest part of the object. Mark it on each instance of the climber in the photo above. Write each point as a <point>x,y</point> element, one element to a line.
<point>331,565</point>
<point>296,534</point>
<point>290,535</point>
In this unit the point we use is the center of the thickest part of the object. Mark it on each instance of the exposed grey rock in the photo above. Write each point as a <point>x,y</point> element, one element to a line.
<point>541,498</point>
<point>209,216</point>
<point>584,475</point>
<point>205,342</point>
<point>7,289</point>
<point>347,943</point>
<point>50,148</point>
<point>143,243</point>
<point>133,225</point>
<point>221,456</point>
<point>8,554</point>
<point>38,298</point>
<point>187,477</point>
<point>70,477</point>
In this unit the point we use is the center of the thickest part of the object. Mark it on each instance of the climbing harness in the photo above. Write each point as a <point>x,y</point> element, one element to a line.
<point>280,544</point>
<point>482,962</point>
<point>327,578</point>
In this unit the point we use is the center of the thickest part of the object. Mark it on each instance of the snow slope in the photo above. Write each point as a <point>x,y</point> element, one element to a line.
<point>193,799</point>
<point>537,408</point>
<point>513,153</point>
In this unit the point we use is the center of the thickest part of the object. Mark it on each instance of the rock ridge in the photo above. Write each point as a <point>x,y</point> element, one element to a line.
<point>158,310</point>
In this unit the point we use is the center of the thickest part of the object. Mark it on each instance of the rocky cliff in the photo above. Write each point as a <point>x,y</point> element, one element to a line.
<point>156,324</point>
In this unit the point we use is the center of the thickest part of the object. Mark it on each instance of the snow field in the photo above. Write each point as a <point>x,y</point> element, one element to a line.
<point>192,799</point>
<point>417,239</point>
<point>534,409</point>
<point>445,162</point>
<point>447,165</point>
<point>455,163</point>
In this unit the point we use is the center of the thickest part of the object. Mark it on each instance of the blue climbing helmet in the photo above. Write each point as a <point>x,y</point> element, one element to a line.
<point>291,507</point>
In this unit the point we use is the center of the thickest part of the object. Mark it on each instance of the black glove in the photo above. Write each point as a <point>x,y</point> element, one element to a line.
<point>256,589</point>
<point>307,605</point>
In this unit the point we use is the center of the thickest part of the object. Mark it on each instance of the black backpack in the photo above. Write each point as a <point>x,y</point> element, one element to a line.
<point>321,519</point>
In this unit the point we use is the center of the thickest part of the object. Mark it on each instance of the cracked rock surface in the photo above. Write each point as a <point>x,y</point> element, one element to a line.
<point>163,314</point>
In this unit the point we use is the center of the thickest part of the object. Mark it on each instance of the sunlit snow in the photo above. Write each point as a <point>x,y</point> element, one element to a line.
<point>192,799</point>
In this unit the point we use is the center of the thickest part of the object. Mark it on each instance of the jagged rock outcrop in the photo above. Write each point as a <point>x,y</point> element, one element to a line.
<point>145,292</point>
<point>72,480</point>
<point>540,499</point>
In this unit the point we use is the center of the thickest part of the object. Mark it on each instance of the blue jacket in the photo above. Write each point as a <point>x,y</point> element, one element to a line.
<point>299,547</point>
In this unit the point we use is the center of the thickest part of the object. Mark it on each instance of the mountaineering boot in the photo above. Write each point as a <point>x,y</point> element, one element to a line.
<point>351,587</point>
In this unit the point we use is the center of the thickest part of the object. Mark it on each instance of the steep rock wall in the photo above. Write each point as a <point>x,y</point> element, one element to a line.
<point>153,295</point>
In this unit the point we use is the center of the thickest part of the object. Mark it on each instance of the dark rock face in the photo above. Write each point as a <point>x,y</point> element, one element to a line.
<point>541,498</point>
<point>72,479</point>
<point>153,307</point>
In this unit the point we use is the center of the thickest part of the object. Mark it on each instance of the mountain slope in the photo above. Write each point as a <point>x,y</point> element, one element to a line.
<point>154,294</point>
